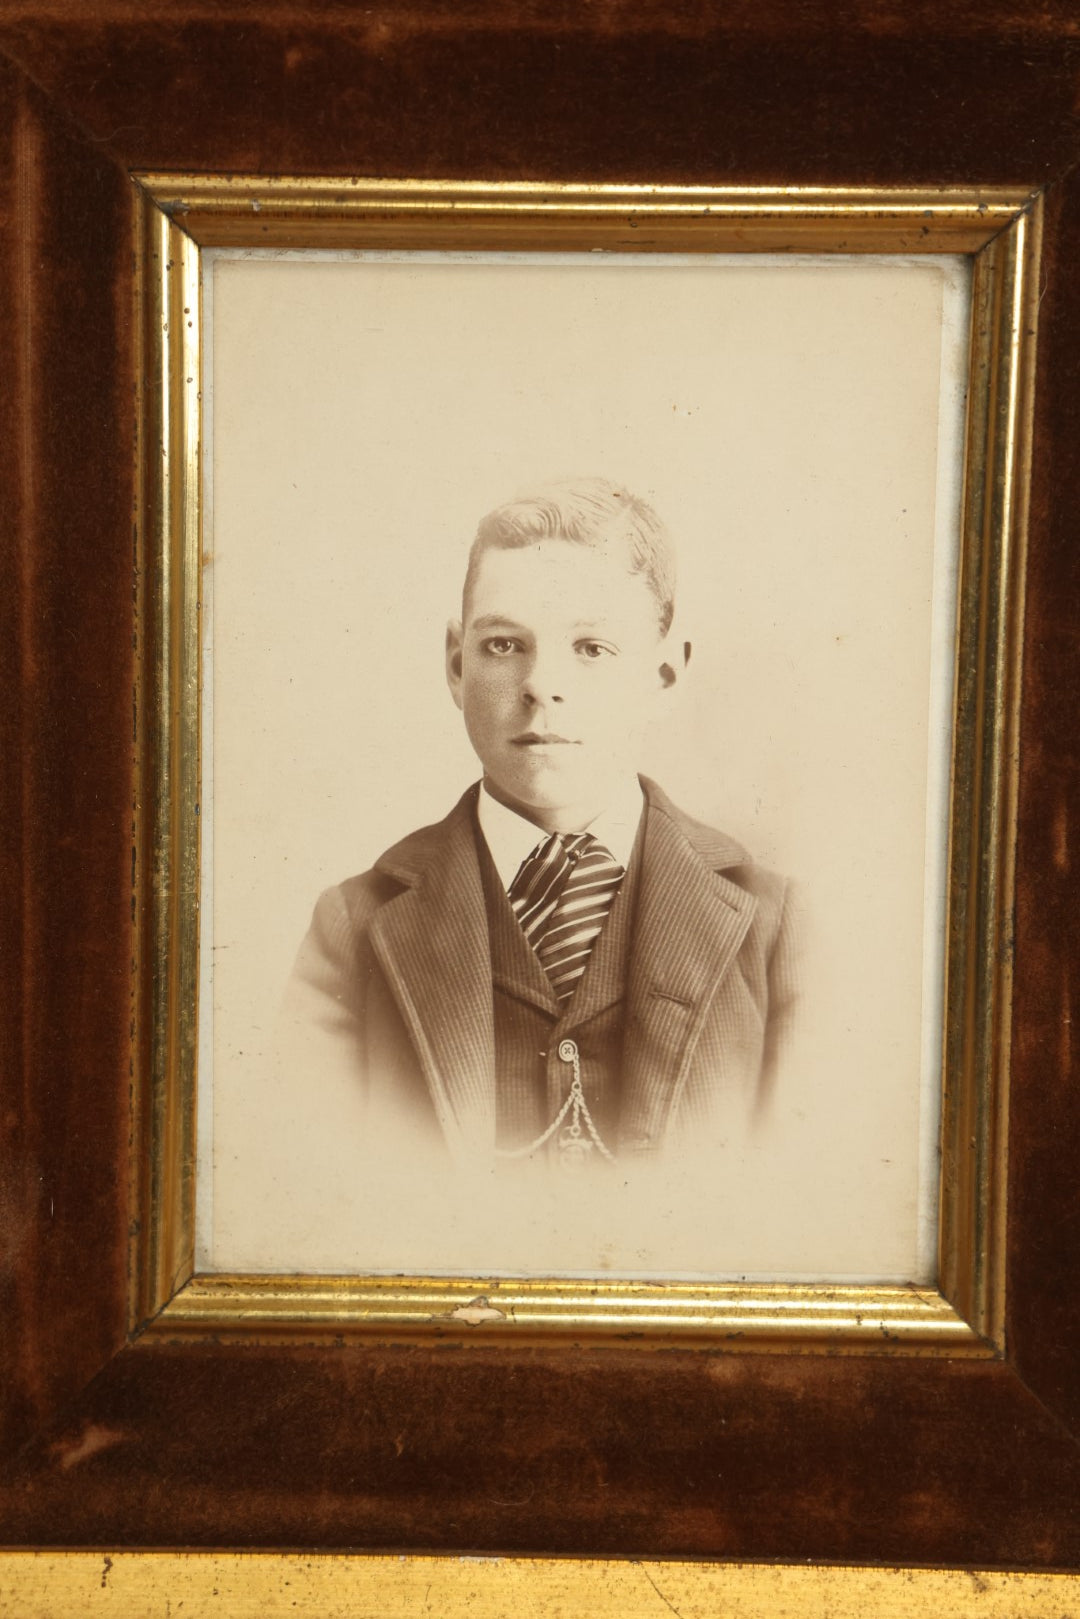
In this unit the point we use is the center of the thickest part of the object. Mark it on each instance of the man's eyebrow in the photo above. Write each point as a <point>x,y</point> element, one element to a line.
<point>500,621</point>
<point>494,621</point>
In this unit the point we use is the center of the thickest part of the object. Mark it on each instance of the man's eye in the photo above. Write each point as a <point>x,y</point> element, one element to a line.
<point>500,645</point>
<point>595,649</point>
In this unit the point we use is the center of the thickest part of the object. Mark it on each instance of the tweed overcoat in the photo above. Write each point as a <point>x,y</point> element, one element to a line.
<point>393,987</point>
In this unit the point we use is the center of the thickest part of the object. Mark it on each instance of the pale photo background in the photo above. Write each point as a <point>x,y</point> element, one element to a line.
<point>797,423</point>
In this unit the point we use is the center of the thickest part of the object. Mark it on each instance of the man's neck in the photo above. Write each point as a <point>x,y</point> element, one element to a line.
<point>567,817</point>
<point>512,835</point>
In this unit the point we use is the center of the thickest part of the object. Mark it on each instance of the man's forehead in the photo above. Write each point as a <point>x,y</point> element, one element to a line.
<point>554,572</point>
<point>509,620</point>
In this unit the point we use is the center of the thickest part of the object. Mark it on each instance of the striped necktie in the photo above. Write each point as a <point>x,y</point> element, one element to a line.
<point>561,896</point>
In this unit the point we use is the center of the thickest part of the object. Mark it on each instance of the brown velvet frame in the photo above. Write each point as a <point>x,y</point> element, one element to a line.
<point>366,1444</point>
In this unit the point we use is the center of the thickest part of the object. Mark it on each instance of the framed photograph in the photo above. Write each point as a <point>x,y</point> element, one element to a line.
<point>459,1091</point>
<point>565,747</point>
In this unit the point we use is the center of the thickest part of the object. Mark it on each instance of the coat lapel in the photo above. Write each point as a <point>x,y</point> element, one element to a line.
<point>515,967</point>
<point>432,943</point>
<point>690,923</point>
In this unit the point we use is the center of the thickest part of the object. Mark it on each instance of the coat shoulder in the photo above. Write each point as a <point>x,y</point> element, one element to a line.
<point>398,867</point>
<point>726,856</point>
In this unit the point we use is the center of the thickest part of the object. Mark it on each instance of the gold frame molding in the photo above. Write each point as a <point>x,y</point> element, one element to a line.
<point>178,216</point>
<point>42,1584</point>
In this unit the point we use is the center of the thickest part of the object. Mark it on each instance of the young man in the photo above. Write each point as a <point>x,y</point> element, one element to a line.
<point>567,968</point>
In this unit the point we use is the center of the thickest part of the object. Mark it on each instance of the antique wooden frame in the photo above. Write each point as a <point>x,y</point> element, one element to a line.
<point>118,1437</point>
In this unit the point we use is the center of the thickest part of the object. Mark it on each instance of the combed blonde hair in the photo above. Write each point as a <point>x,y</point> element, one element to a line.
<point>586,511</point>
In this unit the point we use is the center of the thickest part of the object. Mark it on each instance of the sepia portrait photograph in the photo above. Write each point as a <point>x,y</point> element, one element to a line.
<point>578,681</point>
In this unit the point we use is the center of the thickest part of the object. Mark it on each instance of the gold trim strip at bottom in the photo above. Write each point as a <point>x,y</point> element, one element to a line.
<point>733,1315</point>
<point>254,1585</point>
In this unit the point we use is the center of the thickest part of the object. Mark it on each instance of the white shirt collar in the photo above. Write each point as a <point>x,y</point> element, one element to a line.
<point>511,838</point>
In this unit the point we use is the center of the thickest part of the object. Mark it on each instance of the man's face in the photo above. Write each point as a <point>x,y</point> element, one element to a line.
<point>557,668</point>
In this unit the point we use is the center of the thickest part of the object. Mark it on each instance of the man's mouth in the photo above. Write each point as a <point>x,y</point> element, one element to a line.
<point>542,739</point>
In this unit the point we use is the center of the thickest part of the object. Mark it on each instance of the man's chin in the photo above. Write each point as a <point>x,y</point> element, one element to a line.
<point>548,796</point>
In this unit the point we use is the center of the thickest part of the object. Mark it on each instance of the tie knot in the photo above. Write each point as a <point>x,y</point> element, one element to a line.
<point>577,846</point>
<point>569,846</point>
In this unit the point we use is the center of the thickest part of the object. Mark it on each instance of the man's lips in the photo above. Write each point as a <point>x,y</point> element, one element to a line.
<point>542,739</point>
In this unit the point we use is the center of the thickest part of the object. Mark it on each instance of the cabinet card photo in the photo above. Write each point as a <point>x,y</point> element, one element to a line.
<point>578,693</point>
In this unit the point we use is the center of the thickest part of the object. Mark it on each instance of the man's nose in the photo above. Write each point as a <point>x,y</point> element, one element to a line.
<point>543,682</point>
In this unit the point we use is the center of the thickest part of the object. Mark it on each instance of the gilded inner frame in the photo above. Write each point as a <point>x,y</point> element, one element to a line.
<point>178,217</point>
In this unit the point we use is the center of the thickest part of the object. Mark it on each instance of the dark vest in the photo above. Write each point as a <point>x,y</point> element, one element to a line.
<point>532,1080</point>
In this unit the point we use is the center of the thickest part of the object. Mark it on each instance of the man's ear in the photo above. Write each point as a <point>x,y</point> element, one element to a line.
<point>676,657</point>
<point>454,637</point>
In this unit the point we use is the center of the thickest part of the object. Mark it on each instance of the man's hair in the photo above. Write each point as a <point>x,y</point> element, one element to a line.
<point>592,512</point>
